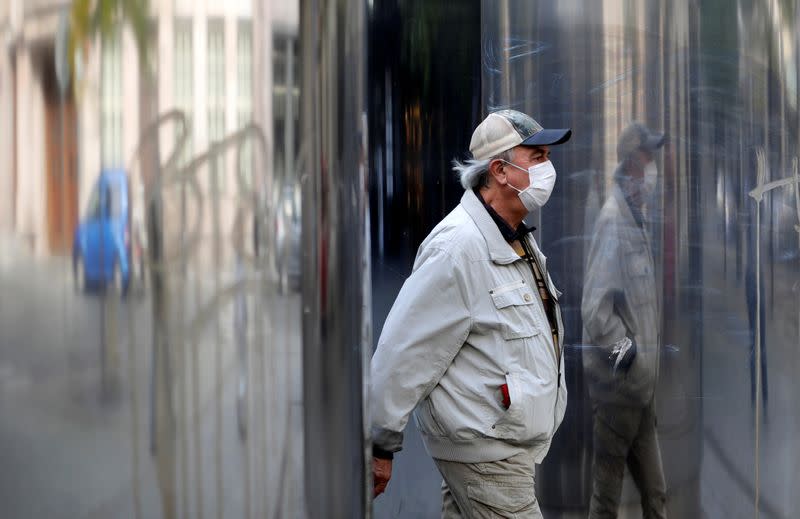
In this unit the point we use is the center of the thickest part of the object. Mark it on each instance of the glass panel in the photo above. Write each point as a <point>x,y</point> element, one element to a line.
<point>677,250</point>
<point>677,257</point>
<point>425,100</point>
<point>153,367</point>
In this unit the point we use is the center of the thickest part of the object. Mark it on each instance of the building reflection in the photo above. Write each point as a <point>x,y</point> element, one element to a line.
<point>242,141</point>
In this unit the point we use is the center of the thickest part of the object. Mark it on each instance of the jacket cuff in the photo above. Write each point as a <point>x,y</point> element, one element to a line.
<point>379,453</point>
<point>386,440</point>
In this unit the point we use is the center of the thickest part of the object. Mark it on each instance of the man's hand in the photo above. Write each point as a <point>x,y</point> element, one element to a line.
<point>381,473</point>
<point>622,355</point>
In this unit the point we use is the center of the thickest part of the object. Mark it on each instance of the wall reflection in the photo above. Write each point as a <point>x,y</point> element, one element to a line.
<point>728,105</point>
<point>704,232</point>
<point>150,334</point>
<point>150,244</point>
<point>424,102</point>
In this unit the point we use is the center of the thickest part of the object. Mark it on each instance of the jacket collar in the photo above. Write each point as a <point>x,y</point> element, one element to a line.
<point>624,206</point>
<point>500,251</point>
<point>509,234</point>
<point>627,216</point>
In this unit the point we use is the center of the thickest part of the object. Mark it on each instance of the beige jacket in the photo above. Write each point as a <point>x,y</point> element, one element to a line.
<point>468,320</point>
<point>620,300</point>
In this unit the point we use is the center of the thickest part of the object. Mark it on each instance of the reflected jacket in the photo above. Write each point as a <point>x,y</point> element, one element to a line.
<point>620,300</point>
<point>468,320</point>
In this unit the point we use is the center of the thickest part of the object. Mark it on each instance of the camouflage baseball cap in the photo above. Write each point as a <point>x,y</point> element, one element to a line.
<point>504,129</point>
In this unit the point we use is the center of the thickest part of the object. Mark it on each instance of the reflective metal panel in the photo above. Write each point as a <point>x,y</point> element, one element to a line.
<point>334,201</point>
<point>424,100</point>
<point>692,255</point>
<point>150,314</point>
<point>697,268</point>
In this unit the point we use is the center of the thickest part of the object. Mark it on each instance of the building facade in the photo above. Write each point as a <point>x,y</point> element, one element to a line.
<point>210,60</point>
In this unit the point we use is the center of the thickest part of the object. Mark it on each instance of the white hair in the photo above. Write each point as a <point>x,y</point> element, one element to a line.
<point>475,173</point>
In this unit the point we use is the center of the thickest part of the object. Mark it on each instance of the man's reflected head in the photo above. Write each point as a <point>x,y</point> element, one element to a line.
<point>637,173</point>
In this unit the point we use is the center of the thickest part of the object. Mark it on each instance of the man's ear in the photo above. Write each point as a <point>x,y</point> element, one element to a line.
<point>497,171</point>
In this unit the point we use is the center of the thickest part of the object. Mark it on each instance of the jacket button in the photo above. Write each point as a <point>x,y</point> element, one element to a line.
<point>527,298</point>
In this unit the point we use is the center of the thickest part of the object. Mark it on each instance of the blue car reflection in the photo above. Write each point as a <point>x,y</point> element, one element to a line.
<point>103,249</point>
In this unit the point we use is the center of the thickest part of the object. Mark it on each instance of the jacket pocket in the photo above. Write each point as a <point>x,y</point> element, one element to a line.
<point>639,281</point>
<point>532,413</point>
<point>515,314</point>
<point>427,421</point>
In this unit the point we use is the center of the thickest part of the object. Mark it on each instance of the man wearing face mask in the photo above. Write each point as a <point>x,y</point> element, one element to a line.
<point>621,318</point>
<point>473,343</point>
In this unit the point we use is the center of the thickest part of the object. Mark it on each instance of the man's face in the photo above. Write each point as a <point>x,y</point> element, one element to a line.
<point>525,157</point>
<point>639,159</point>
<point>634,181</point>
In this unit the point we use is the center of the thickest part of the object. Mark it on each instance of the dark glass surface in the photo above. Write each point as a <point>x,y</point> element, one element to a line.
<point>424,101</point>
<point>720,79</point>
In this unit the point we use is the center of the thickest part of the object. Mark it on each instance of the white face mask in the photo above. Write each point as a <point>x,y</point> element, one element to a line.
<point>650,179</point>
<point>542,180</point>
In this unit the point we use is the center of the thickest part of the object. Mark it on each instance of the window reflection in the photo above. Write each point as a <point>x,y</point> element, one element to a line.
<point>139,305</point>
<point>622,323</point>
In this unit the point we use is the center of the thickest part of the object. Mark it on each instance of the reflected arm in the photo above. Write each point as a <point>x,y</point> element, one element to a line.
<point>603,291</point>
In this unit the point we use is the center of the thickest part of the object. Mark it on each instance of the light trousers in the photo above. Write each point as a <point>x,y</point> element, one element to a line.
<point>496,489</point>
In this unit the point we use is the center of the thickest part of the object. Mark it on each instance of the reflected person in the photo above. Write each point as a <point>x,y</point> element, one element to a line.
<point>473,341</point>
<point>621,317</point>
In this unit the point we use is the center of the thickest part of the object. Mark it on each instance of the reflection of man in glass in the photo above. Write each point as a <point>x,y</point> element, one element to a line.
<point>620,311</point>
